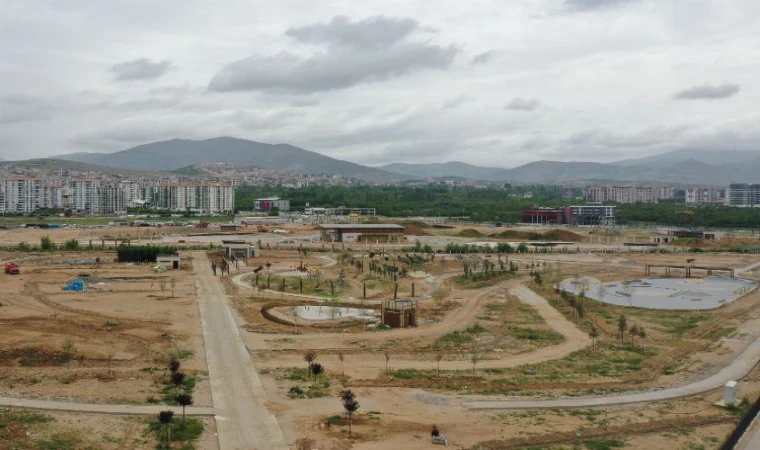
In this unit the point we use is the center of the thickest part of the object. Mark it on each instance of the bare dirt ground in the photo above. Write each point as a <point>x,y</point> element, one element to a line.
<point>130,318</point>
<point>119,331</point>
<point>29,429</point>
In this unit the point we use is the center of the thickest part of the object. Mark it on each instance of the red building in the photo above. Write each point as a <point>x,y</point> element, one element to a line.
<point>544,216</point>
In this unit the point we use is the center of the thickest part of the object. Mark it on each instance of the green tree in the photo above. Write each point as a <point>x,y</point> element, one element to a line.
<point>165,417</point>
<point>184,399</point>
<point>622,327</point>
<point>594,335</point>
<point>47,244</point>
<point>350,404</point>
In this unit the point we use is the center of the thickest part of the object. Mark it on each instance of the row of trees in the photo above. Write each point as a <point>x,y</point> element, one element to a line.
<point>494,204</point>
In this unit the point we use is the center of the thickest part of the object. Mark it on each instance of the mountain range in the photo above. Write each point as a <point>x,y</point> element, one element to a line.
<point>683,166</point>
<point>179,153</point>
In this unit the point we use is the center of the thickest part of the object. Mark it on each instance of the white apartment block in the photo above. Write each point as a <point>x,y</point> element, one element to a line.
<point>22,195</point>
<point>628,194</point>
<point>190,197</point>
<point>744,194</point>
<point>95,197</point>
<point>706,196</point>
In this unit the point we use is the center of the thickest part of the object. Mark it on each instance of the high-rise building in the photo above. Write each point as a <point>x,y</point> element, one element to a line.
<point>95,197</point>
<point>213,198</point>
<point>628,194</point>
<point>22,195</point>
<point>705,196</point>
<point>744,194</point>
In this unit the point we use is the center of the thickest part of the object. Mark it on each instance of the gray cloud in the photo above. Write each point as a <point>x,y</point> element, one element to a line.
<point>21,108</point>
<point>373,49</point>
<point>455,102</point>
<point>140,69</point>
<point>707,92</point>
<point>522,104</point>
<point>376,31</point>
<point>483,58</point>
<point>592,5</point>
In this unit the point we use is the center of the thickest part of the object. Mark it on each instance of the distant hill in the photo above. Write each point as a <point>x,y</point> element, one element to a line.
<point>447,169</point>
<point>684,172</point>
<point>180,153</point>
<point>704,156</point>
<point>52,165</point>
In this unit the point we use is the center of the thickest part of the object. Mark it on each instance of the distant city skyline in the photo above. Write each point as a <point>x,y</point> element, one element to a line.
<point>488,83</point>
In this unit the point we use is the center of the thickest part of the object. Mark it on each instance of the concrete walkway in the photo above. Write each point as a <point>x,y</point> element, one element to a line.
<point>103,409</point>
<point>738,368</point>
<point>243,420</point>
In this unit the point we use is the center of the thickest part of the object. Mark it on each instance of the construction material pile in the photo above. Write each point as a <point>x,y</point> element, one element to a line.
<point>76,285</point>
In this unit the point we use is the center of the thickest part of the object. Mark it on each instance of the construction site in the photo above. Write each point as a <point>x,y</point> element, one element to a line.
<point>571,345</point>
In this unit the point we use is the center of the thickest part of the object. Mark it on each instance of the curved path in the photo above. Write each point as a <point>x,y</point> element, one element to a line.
<point>575,339</point>
<point>249,399</point>
<point>739,367</point>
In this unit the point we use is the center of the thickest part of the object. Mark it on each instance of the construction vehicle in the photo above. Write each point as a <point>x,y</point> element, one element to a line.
<point>12,269</point>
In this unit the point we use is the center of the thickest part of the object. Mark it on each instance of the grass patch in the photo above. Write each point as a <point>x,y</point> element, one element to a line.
<point>533,334</point>
<point>528,314</point>
<point>589,414</point>
<point>23,417</point>
<point>680,324</point>
<point>183,355</point>
<point>169,391</point>
<point>60,441</point>
<point>607,444</point>
<point>185,432</point>
<point>297,374</point>
<point>411,374</point>
<point>458,338</point>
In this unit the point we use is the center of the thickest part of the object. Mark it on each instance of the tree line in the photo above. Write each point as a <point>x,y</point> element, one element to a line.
<point>489,204</point>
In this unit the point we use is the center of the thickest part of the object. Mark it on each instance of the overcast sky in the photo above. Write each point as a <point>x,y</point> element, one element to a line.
<point>497,83</point>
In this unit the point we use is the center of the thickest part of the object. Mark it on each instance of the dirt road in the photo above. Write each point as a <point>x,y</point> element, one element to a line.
<point>243,420</point>
<point>364,363</point>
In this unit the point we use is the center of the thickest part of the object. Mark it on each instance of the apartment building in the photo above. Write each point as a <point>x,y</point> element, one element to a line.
<point>628,194</point>
<point>705,196</point>
<point>22,195</point>
<point>744,194</point>
<point>95,197</point>
<point>214,198</point>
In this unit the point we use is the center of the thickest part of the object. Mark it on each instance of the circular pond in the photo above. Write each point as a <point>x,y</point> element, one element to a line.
<point>319,312</point>
<point>663,293</point>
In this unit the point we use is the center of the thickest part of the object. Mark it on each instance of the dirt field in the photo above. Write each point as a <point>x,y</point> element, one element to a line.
<point>105,344</point>
<point>110,344</point>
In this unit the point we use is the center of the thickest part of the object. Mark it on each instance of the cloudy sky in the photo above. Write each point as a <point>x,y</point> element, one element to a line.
<point>497,83</point>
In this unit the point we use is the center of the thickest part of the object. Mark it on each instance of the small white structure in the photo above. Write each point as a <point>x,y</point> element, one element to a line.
<point>729,393</point>
<point>170,261</point>
<point>240,249</point>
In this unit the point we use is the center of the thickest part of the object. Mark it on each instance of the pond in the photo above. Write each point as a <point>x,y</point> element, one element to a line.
<point>663,293</point>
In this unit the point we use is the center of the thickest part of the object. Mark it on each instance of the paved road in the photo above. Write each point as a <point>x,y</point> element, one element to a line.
<point>751,439</point>
<point>738,368</point>
<point>100,408</point>
<point>243,420</point>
